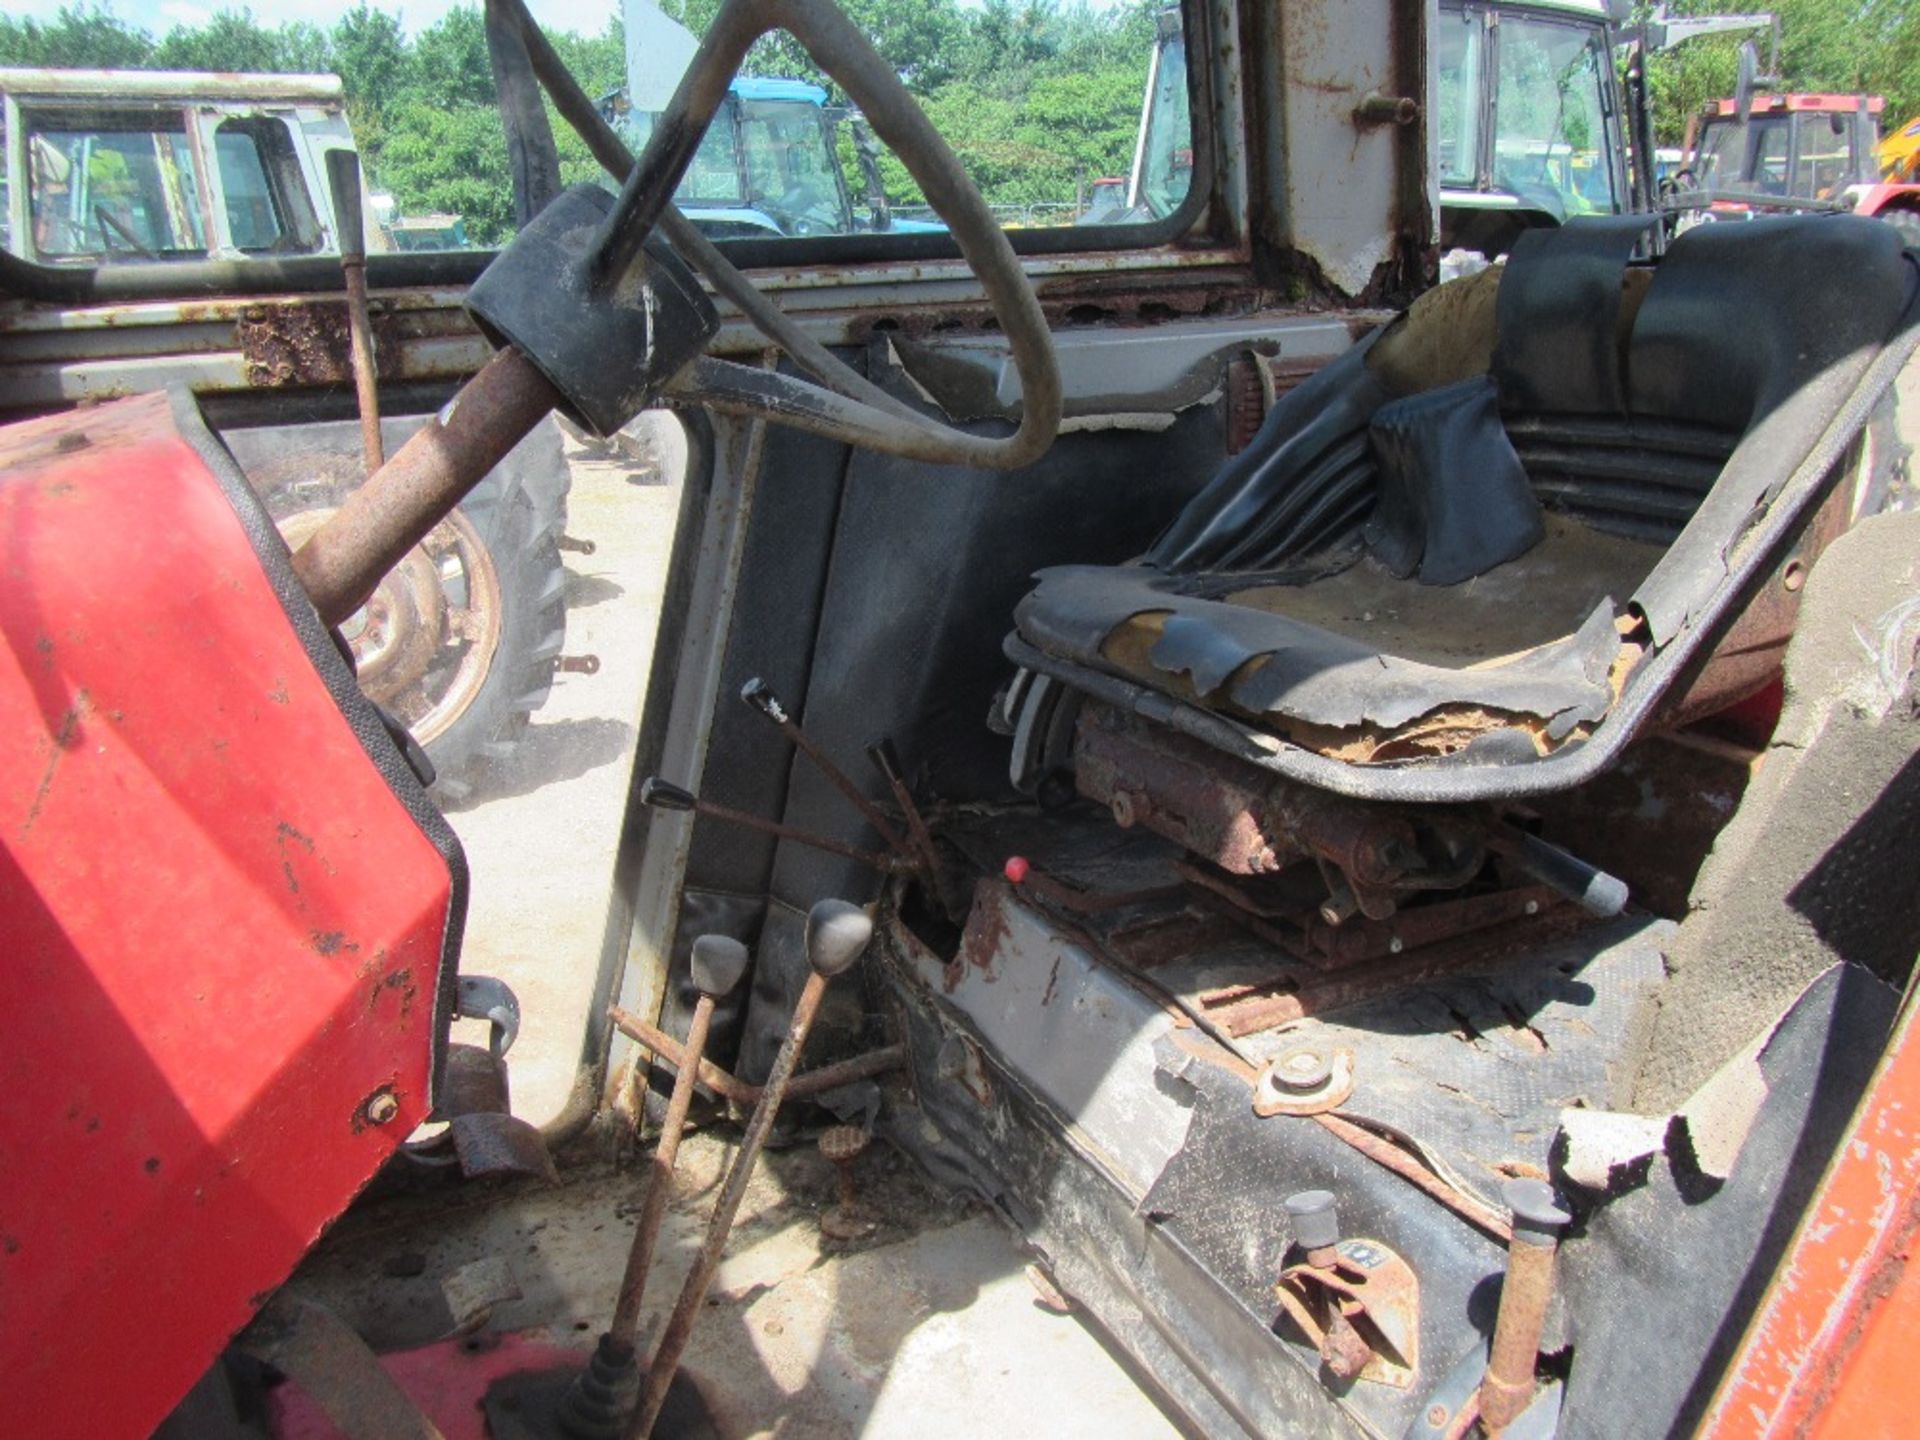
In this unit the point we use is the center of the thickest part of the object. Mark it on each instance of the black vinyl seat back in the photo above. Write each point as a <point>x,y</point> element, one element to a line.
<point>1629,437</point>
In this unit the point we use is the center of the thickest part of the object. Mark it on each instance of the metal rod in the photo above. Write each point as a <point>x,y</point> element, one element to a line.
<point>633,1284</point>
<point>413,492</point>
<point>758,695</point>
<point>1508,1387</point>
<point>1388,1156</point>
<point>693,1295</point>
<point>663,795</point>
<point>887,761</point>
<point>741,1092</point>
<point>343,181</point>
<point>886,864</point>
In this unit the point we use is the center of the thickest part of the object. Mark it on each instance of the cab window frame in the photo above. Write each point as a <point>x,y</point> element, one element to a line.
<point>1192,222</point>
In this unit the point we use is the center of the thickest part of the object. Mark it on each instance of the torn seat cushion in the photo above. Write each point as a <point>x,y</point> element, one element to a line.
<point>1451,498</point>
<point>1270,666</point>
<point>1659,418</point>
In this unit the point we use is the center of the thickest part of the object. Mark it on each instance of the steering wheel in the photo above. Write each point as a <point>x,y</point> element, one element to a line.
<point>575,298</point>
<point>836,401</point>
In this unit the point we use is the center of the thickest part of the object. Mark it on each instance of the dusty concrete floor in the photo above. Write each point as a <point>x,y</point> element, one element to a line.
<point>541,830</point>
<point>928,1327</point>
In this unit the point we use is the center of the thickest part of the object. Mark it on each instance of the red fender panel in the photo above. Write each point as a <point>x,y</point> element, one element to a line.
<point>228,917</point>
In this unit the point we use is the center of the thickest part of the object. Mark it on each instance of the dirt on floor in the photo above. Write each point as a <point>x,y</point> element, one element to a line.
<point>928,1325</point>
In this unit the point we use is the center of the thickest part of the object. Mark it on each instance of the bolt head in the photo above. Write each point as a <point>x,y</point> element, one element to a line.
<point>1304,1068</point>
<point>382,1108</point>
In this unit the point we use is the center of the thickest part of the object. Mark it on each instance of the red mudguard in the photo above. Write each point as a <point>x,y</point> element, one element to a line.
<point>228,917</point>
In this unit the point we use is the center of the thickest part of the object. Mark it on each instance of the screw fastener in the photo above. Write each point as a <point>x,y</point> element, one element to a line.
<point>382,1108</point>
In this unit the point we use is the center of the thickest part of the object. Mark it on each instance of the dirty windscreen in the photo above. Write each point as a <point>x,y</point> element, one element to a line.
<point>1047,106</point>
<point>102,186</point>
<point>1749,155</point>
<point>1550,138</point>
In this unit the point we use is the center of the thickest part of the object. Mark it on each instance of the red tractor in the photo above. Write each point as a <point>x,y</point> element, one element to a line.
<point>1797,152</point>
<point>1386,860</point>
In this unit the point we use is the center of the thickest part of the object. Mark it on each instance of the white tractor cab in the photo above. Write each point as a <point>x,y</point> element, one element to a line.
<point>1529,120</point>
<point>112,165</point>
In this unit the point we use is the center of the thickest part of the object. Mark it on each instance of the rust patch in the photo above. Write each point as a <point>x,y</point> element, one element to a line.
<point>1068,304</point>
<point>282,836</point>
<point>306,343</point>
<point>986,929</point>
<point>399,983</point>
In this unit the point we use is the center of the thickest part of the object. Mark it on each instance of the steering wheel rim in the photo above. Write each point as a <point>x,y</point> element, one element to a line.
<point>832,399</point>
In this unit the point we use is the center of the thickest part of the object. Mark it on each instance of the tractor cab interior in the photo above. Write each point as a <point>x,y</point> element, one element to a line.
<point>1352,817</point>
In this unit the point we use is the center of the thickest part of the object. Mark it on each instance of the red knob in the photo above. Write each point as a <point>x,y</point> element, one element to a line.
<point>1016,868</point>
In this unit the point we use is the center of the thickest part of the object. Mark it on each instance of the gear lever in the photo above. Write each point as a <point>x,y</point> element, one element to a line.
<point>837,933</point>
<point>609,1386</point>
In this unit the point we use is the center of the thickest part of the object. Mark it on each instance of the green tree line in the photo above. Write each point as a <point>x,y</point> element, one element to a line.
<point>1037,97</point>
<point>1843,46</point>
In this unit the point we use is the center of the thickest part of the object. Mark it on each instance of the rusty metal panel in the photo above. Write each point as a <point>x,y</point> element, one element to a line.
<point>1351,184</point>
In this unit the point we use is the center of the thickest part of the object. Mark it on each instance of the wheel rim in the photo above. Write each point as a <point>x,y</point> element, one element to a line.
<point>425,641</point>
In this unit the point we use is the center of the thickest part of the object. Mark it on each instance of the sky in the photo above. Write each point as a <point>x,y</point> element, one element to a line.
<point>587,17</point>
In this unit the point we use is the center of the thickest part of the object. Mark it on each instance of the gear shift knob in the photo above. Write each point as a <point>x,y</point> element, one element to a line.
<point>718,963</point>
<point>837,933</point>
<point>1316,1220</point>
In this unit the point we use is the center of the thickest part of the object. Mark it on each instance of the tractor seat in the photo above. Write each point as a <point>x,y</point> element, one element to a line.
<point>1462,543</point>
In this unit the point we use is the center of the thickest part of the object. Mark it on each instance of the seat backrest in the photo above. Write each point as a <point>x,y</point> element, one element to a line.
<point>1738,316</point>
<point>1742,315</point>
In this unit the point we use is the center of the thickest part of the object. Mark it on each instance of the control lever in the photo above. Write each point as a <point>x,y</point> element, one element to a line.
<point>759,695</point>
<point>1356,1300</point>
<point>609,1387</point>
<point>343,182</point>
<point>1538,1219</point>
<point>837,934</point>
<point>887,761</point>
<point>1591,888</point>
<point>664,795</point>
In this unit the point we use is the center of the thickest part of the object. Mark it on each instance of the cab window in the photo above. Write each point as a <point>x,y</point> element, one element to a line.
<point>268,208</point>
<point>1550,140</point>
<point>1825,165</point>
<point>106,185</point>
<point>1458,58</point>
